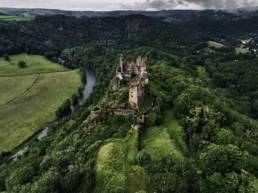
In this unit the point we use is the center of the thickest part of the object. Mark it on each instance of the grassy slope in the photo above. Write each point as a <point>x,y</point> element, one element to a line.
<point>212,46</point>
<point>115,167</point>
<point>110,168</point>
<point>215,45</point>
<point>166,139</point>
<point>29,102</point>
<point>241,50</point>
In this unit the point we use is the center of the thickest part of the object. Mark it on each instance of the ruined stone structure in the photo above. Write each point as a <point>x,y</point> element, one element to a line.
<point>94,116</point>
<point>137,73</point>
<point>122,112</point>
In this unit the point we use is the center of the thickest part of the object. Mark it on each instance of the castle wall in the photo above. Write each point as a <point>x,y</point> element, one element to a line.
<point>133,96</point>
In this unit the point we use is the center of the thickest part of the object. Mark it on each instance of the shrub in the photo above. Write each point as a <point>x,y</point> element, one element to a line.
<point>22,64</point>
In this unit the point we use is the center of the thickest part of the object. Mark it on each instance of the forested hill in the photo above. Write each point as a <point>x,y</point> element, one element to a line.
<point>49,35</point>
<point>198,119</point>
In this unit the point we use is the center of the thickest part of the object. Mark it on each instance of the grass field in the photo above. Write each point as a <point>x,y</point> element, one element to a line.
<point>35,63</point>
<point>111,168</point>
<point>115,169</point>
<point>241,50</point>
<point>29,97</point>
<point>14,18</point>
<point>215,45</point>
<point>166,139</point>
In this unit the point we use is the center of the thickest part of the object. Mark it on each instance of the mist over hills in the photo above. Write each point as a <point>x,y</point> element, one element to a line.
<point>177,14</point>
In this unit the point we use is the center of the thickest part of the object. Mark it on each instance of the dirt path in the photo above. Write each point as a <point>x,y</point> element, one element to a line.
<point>24,92</point>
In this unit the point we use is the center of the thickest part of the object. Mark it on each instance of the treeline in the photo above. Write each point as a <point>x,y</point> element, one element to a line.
<point>50,35</point>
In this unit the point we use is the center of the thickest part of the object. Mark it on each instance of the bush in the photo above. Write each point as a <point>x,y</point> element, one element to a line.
<point>6,57</point>
<point>22,64</point>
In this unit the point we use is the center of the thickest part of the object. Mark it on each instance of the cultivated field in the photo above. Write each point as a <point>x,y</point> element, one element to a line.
<point>35,63</point>
<point>30,96</point>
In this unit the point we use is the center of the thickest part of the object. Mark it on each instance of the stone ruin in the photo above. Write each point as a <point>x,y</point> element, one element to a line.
<point>137,73</point>
<point>95,114</point>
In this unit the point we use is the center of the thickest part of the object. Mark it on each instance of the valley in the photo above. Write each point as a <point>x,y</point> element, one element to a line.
<point>129,102</point>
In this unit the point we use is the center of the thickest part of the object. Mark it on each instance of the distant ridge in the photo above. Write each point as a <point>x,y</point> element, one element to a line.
<point>176,14</point>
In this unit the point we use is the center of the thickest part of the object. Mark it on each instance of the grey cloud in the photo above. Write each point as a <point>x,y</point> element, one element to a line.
<point>129,4</point>
<point>217,3</point>
<point>151,4</point>
<point>208,4</point>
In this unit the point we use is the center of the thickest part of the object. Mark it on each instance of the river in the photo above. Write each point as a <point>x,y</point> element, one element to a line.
<point>87,90</point>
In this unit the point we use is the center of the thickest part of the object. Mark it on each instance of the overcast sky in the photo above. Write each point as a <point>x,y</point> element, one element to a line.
<point>128,4</point>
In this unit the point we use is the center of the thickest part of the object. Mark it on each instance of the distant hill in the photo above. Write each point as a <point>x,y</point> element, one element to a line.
<point>177,14</point>
<point>2,13</point>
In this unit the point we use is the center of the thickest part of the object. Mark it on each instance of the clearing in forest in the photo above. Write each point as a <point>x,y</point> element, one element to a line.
<point>215,45</point>
<point>115,168</point>
<point>166,139</point>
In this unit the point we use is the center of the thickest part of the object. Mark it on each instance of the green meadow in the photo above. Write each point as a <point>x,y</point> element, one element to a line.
<point>241,50</point>
<point>116,170</point>
<point>165,139</point>
<point>215,45</point>
<point>29,97</point>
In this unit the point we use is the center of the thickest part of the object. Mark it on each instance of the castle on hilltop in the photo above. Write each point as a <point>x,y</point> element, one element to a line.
<point>137,73</point>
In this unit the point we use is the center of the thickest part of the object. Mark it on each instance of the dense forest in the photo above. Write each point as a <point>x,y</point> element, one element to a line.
<point>202,69</point>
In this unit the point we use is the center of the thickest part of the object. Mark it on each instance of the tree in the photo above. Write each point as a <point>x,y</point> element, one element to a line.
<point>223,159</point>
<point>6,57</point>
<point>22,64</point>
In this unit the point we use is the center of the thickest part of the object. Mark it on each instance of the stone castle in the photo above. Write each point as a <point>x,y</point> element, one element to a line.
<point>137,73</point>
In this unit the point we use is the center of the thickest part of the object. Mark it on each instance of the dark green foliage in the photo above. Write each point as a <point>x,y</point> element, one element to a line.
<point>6,57</point>
<point>64,110</point>
<point>22,64</point>
<point>170,175</point>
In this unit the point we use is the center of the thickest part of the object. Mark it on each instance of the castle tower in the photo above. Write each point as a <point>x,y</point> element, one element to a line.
<point>121,63</point>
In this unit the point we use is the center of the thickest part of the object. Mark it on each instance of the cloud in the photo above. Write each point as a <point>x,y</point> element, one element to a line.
<point>129,4</point>
<point>150,5</point>
<point>189,4</point>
